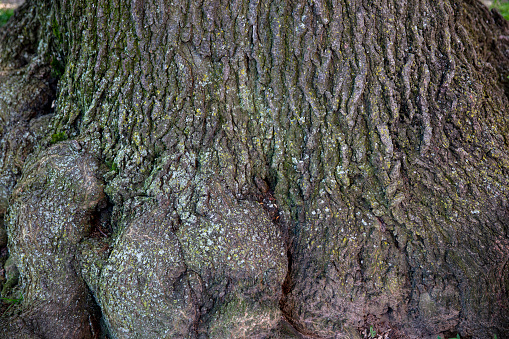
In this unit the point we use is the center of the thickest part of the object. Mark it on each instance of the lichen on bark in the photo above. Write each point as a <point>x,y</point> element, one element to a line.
<point>49,216</point>
<point>274,168</point>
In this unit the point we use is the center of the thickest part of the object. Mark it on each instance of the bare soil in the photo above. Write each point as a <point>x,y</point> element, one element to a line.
<point>11,3</point>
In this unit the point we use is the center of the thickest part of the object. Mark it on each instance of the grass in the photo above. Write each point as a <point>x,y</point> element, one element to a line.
<point>5,14</point>
<point>10,302</point>
<point>503,8</point>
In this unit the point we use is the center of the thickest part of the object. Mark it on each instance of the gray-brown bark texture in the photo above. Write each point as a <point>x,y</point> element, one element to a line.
<point>255,168</point>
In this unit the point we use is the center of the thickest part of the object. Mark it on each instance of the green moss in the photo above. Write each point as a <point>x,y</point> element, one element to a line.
<point>57,137</point>
<point>5,14</point>
<point>57,61</point>
<point>12,276</point>
<point>57,67</point>
<point>112,166</point>
<point>56,30</point>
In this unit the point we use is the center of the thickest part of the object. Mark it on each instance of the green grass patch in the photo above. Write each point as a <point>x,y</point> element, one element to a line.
<point>11,302</point>
<point>503,8</point>
<point>5,14</point>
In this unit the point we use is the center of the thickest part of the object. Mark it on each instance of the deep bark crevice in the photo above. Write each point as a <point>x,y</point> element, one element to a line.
<point>96,320</point>
<point>265,197</point>
<point>101,220</point>
<point>284,304</point>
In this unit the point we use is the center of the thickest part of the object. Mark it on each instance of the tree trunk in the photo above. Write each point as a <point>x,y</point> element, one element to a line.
<point>255,169</point>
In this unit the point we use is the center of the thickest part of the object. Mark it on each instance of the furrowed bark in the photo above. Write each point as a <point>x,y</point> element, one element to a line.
<point>279,168</point>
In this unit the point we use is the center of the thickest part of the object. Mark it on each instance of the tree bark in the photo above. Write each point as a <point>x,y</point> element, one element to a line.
<point>256,168</point>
